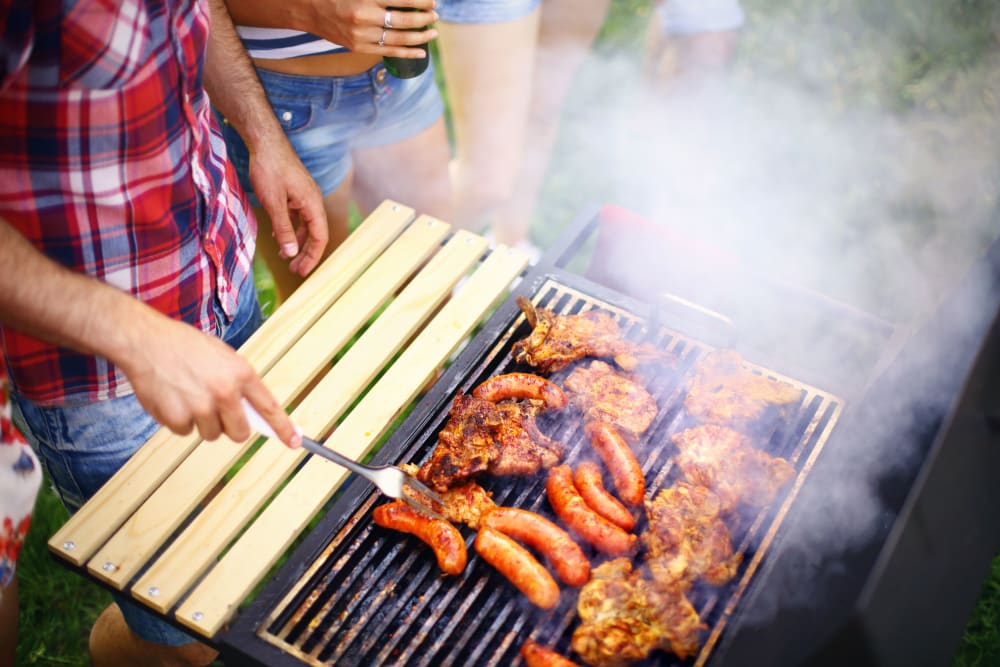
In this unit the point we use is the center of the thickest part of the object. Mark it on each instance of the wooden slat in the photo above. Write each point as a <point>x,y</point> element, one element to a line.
<point>146,530</point>
<point>196,549</point>
<point>78,539</point>
<point>213,601</point>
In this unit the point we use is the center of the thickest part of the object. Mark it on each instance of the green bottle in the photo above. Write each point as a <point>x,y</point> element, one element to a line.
<point>407,68</point>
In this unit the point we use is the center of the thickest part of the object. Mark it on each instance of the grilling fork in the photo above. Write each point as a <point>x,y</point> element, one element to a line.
<point>390,480</point>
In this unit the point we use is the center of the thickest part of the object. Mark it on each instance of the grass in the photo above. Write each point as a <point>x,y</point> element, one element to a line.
<point>935,76</point>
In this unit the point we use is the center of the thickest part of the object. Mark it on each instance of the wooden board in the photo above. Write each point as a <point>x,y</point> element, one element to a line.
<point>216,597</point>
<point>78,539</point>
<point>180,493</point>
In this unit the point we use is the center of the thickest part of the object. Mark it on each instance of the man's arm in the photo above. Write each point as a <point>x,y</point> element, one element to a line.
<point>281,183</point>
<point>182,376</point>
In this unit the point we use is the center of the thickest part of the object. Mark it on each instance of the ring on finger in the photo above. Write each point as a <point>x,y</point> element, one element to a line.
<point>387,23</point>
<point>381,40</point>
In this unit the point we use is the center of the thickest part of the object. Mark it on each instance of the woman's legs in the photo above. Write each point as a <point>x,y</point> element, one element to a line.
<point>568,29</point>
<point>488,68</point>
<point>413,171</point>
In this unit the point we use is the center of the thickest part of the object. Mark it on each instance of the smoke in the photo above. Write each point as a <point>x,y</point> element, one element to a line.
<point>819,162</point>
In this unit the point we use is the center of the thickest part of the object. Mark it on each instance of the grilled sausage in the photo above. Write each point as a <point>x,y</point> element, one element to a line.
<point>441,536</point>
<point>590,526</point>
<point>621,462</point>
<point>587,478</point>
<point>563,554</point>
<point>522,385</point>
<point>519,566</point>
<point>536,655</point>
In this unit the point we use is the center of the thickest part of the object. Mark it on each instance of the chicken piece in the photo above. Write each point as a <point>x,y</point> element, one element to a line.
<point>724,391</point>
<point>481,436</point>
<point>726,462</point>
<point>686,538</point>
<point>604,394</point>
<point>625,617</point>
<point>556,341</point>
<point>465,503</point>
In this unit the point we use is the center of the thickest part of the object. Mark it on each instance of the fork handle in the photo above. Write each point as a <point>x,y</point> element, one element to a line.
<point>313,446</point>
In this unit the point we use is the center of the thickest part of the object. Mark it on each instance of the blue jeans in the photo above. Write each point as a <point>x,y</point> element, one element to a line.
<point>484,11</point>
<point>82,445</point>
<point>326,117</point>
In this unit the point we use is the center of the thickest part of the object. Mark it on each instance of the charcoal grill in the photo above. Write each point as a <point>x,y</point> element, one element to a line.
<point>351,593</point>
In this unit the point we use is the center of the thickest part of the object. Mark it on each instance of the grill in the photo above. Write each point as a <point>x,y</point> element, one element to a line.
<point>374,597</point>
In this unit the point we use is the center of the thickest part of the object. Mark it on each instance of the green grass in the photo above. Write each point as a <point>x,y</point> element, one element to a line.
<point>939,73</point>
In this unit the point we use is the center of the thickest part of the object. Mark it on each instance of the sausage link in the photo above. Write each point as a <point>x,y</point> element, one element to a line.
<point>563,554</point>
<point>536,655</point>
<point>621,462</point>
<point>519,566</point>
<point>587,478</point>
<point>590,526</point>
<point>522,385</point>
<point>441,536</point>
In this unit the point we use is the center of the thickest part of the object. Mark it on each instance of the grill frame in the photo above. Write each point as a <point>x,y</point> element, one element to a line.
<point>242,643</point>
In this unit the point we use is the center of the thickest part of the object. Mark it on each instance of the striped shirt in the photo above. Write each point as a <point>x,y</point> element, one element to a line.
<point>112,164</point>
<point>276,43</point>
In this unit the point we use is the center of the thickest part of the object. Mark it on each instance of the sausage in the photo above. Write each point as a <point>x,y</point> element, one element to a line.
<point>441,536</point>
<point>563,554</point>
<point>587,478</point>
<point>522,385</point>
<point>519,566</point>
<point>620,461</point>
<point>536,655</point>
<point>590,526</point>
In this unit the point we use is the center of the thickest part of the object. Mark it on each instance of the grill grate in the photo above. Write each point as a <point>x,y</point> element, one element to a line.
<point>376,597</point>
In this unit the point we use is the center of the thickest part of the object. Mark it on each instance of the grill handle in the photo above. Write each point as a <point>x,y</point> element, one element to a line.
<point>702,322</point>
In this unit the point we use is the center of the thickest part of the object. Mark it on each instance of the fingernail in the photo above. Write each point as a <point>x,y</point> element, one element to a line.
<point>290,250</point>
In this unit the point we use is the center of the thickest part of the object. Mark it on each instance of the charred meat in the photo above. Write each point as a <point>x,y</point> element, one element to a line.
<point>687,539</point>
<point>725,391</point>
<point>481,436</point>
<point>556,341</point>
<point>607,395</point>
<point>626,616</point>
<point>725,461</point>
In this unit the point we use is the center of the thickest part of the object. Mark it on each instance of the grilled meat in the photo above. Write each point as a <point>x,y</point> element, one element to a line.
<point>724,391</point>
<point>687,539</point>
<point>481,436</point>
<point>625,617</point>
<point>556,341</point>
<point>725,461</point>
<point>606,395</point>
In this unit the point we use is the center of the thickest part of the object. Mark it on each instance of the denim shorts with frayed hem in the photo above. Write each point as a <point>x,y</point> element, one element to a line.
<point>81,446</point>
<point>484,11</point>
<point>326,117</point>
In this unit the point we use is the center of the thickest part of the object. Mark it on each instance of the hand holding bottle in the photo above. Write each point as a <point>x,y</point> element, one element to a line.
<point>405,67</point>
<point>360,25</point>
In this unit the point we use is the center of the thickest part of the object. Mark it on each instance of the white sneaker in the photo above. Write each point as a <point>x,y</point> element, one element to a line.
<point>533,252</point>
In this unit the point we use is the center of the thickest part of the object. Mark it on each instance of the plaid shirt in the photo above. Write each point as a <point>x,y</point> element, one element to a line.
<point>112,164</point>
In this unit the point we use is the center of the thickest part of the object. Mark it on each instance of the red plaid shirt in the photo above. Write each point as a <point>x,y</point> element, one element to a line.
<point>112,164</point>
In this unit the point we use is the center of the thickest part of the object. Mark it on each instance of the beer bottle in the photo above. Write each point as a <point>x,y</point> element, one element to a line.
<point>407,68</point>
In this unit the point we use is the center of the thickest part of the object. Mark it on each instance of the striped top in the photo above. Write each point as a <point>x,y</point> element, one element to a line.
<point>279,43</point>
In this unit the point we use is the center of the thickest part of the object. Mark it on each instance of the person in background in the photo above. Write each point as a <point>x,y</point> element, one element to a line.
<point>126,245</point>
<point>691,39</point>
<point>487,50</point>
<point>20,477</point>
<point>364,134</point>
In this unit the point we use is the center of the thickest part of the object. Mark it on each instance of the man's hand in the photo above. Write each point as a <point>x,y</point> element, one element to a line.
<point>290,195</point>
<point>188,379</point>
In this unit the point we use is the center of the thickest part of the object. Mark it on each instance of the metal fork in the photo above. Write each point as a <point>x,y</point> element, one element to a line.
<point>390,480</point>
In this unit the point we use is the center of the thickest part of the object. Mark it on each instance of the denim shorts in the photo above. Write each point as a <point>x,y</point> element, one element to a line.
<point>82,446</point>
<point>484,11</point>
<point>688,17</point>
<point>325,118</point>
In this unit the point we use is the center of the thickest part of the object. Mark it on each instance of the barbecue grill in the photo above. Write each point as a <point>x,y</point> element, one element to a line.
<point>351,593</point>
